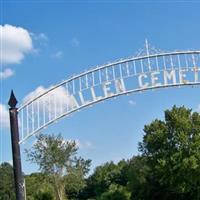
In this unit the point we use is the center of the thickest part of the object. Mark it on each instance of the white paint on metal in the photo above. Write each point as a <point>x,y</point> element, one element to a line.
<point>82,94</point>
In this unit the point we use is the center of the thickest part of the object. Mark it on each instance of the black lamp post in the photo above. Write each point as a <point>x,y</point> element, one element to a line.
<point>18,177</point>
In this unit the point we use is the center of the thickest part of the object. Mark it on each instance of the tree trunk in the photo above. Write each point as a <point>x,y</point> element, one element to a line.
<point>59,192</point>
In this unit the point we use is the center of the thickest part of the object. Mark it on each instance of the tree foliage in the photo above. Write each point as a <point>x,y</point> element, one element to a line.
<point>7,190</point>
<point>38,186</point>
<point>172,150</point>
<point>168,167</point>
<point>57,158</point>
<point>116,192</point>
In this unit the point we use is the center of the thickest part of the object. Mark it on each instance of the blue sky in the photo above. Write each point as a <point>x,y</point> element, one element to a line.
<point>68,37</point>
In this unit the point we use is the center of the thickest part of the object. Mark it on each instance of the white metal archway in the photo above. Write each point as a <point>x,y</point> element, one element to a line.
<point>125,76</point>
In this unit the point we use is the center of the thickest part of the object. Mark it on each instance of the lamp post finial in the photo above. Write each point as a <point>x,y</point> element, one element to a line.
<point>12,101</point>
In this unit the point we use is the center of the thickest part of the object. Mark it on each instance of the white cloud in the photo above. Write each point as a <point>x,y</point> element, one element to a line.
<point>198,108</point>
<point>58,98</point>
<point>58,54</point>
<point>132,103</point>
<point>39,90</point>
<point>47,108</point>
<point>81,144</point>
<point>15,43</point>
<point>4,116</point>
<point>75,42</point>
<point>10,162</point>
<point>6,73</point>
<point>40,40</point>
<point>40,36</point>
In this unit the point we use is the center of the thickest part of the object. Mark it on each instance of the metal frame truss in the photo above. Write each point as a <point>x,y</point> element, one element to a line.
<point>121,77</point>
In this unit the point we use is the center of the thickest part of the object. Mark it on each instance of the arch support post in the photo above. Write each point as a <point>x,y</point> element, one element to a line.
<point>17,168</point>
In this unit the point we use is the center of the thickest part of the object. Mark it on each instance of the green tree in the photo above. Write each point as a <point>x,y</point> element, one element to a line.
<point>57,158</point>
<point>44,194</point>
<point>172,150</point>
<point>103,177</point>
<point>116,192</point>
<point>7,190</point>
<point>135,173</point>
<point>74,180</point>
<point>101,180</point>
<point>40,184</point>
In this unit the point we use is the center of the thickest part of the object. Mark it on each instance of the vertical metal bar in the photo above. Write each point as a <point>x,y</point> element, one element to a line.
<point>38,112</point>
<point>27,121</point>
<point>164,62</point>
<point>73,86</point>
<point>22,123</point>
<point>113,70</point>
<point>80,84</point>
<point>93,82</point>
<point>68,94</point>
<point>100,76</point>
<point>32,116</point>
<point>157,65</point>
<point>186,61</point>
<point>106,74</point>
<point>135,72</point>
<point>55,106</point>
<point>120,70</point>
<point>142,67</point>
<point>127,69</point>
<point>149,64</point>
<point>43,105</point>
<point>147,49</point>
<point>179,63</point>
<point>193,60</point>
<point>67,88</point>
<point>171,61</point>
<point>59,106</point>
<point>17,168</point>
<point>198,60</point>
<point>49,102</point>
<point>86,79</point>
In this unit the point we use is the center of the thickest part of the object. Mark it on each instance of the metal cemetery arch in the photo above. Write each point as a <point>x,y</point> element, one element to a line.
<point>107,81</point>
<point>125,76</point>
